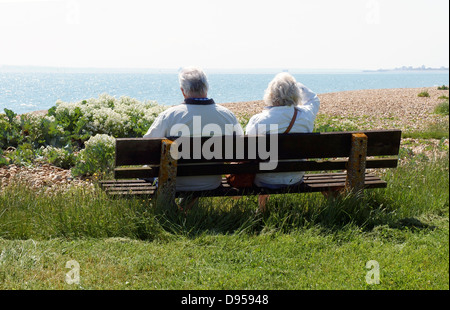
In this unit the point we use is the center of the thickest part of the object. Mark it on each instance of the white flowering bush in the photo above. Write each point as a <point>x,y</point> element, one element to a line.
<point>117,117</point>
<point>97,157</point>
<point>88,127</point>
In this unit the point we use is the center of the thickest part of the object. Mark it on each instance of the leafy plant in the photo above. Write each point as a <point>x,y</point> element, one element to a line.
<point>443,87</point>
<point>10,133</point>
<point>60,157</point>
<point>423,94</point>
<point>23,155</point>
<point>3,160</point>
<point>96,157</point>
<point>10,115</point>
<point>41,130</point>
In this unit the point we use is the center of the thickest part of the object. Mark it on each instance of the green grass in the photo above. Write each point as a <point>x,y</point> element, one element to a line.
<point>304,259</point>
<point>303,242</point>
<point>423,94</point>
<point>435,130</point>
<point>442,108</point>
<point>326,123</point>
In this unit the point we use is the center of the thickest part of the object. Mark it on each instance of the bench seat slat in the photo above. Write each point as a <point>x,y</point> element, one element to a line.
<point>122,181</point>
<point>127,187</point>
<point>311,184</point>
<point>336,180</point>
<point>134,184</point>
<point>130,193</point>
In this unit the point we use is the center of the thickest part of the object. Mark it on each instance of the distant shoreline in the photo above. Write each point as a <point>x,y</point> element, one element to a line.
<point>45,69</point>
<point>406,71</point>
<point>410,69</point>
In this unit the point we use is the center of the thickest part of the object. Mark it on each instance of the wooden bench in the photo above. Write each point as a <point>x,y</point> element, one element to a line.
<point>346,155</point>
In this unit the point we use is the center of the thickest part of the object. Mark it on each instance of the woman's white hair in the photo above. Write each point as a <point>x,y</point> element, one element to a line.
<point>193,81</point>
<point>282,91</point>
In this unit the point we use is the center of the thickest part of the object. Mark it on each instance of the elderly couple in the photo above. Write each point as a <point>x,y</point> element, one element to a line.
<point>290,105</point>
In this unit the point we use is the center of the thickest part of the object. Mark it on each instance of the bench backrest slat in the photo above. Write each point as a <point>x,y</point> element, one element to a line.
<point>220,168</point>
<point>140,151</point>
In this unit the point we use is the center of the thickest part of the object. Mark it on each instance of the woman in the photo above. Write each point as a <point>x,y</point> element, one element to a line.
<point>293,107</point>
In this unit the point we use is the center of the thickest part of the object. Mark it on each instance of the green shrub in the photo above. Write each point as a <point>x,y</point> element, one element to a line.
<point>3,160</point>
<point>23,155</point>
<point>60,157</point>
<point>41,130</point>
<point>37,130</point>
<point>443,87</point>
<point>10,132</point>
<point>423,94</point>
<point>97,157</point>
<point>442,108</point>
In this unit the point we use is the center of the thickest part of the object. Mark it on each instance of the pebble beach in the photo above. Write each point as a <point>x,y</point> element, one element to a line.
<point>403,105</point>
<point>385,108</point>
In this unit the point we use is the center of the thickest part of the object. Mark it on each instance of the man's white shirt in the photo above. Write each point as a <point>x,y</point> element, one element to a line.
<point>183,120</point>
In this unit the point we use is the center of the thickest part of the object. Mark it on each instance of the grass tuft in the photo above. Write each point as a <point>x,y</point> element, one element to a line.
<point>423,94</point>
<point>435,130</point>
<point>442,108</point>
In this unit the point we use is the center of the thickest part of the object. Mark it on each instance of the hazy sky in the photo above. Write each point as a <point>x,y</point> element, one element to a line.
<point>318,34</point>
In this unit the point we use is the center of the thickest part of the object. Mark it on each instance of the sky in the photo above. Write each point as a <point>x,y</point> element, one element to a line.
<point>249,34</point>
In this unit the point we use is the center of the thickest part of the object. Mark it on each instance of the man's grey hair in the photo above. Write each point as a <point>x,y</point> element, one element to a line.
<point>282,91</point>
<point>193,81</point>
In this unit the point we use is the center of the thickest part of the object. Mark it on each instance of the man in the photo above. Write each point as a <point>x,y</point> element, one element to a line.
<point>185,119</point>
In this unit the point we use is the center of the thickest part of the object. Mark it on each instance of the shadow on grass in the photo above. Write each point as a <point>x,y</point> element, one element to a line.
<point>411,223</point>
<point>286,213</point>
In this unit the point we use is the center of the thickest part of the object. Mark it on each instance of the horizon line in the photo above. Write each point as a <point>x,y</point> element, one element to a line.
<point>44,68</point>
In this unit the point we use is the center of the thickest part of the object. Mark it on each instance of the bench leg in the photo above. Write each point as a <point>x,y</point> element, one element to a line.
<point>356,166</point>
<point>262,201</point>
<point>167,175</point>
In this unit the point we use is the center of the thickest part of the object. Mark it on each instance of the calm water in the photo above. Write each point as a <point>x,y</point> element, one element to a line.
<point>25,92</point>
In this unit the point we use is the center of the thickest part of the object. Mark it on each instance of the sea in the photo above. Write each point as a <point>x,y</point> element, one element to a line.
<point>25,92</point>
